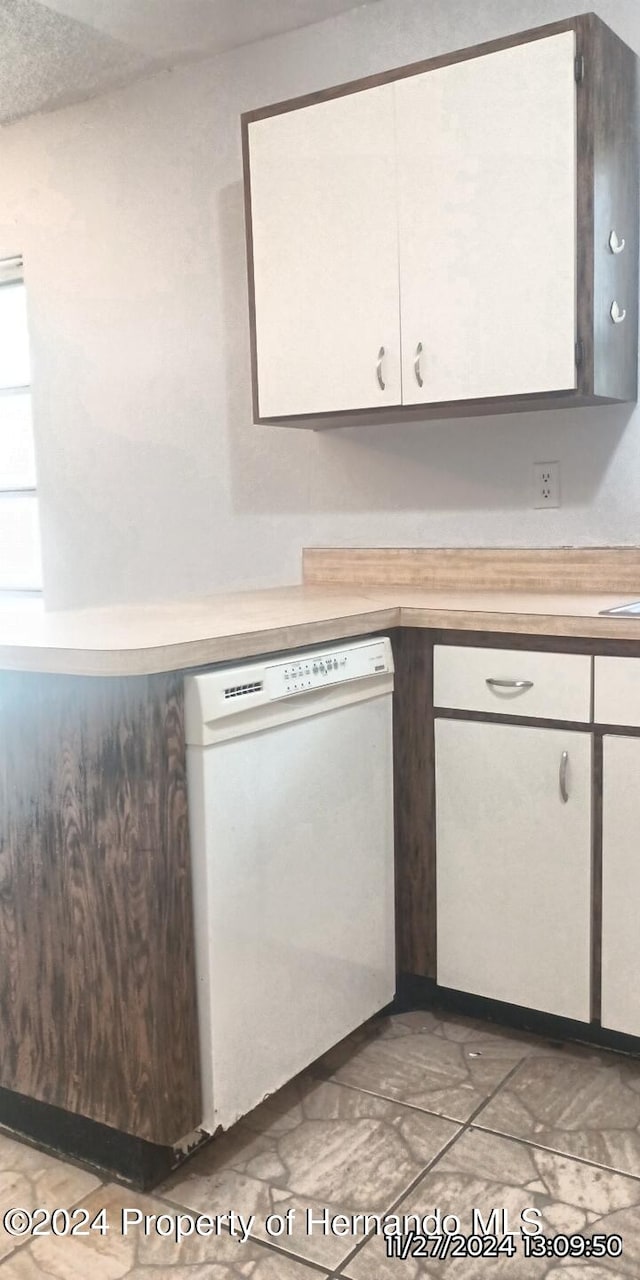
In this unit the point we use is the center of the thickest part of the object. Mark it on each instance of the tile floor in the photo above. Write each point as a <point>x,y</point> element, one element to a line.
<point>411,1115</point>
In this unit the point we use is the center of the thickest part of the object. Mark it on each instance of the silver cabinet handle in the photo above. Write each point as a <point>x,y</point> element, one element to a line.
<point>508,684</point>
<point>416,366</point>
<point>381,382</point>
<point>616,245</point>
<point>616,314</point>
<point>564,765</point>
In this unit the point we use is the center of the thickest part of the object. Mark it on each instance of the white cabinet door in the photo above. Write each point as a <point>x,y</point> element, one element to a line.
<point>487,189</point>
<point>514,864</point>
<point>621,885</point>
<point>325,251</point>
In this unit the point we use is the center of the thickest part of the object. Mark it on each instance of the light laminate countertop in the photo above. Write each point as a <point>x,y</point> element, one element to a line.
<point>170,636</point>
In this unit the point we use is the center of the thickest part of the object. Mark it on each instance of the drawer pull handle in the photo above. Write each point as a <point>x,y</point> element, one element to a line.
<point>616,245</point>
<point>381,382</point>
<point>564,765</point>
<point>616,314</point>
<point>509,684</point>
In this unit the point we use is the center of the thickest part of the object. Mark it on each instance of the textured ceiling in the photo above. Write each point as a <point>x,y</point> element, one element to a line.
<point>57,51</point>
<point>47,59</point>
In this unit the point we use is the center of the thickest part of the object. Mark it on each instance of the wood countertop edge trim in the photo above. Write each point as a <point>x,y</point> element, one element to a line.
<point>564,626</point>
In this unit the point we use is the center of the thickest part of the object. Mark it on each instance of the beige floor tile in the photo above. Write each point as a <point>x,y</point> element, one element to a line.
<point>314,1145</point>
<point>136,1256</point>
<point>443,1064</point>
<point>482,1171</point>
<point>29,1179</point>
<point>588,1107</point>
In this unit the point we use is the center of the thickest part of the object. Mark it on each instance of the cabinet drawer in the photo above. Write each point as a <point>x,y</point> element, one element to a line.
<point>515,682</point>
<point>617,691</point>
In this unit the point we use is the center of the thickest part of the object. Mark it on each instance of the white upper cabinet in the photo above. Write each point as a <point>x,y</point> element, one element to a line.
<point>325,256</point>
<point>487,208</point>
<point>460,237</point>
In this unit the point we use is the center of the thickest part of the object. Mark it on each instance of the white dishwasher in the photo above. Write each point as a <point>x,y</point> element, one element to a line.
<point>289,765</point>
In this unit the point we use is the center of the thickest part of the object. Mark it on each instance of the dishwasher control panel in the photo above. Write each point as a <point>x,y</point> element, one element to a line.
<point>234,700</point>
<point>301,674</point>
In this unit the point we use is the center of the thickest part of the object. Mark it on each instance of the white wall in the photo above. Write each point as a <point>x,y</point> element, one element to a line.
<point>154,481</point>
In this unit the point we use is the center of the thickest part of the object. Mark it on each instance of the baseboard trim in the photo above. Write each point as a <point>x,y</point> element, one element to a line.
<point>133,1160</point>
<point>415,992</point>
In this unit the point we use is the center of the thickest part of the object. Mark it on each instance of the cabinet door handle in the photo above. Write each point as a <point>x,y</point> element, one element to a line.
<point>381,382</point>
<point>616,314</point>
<point>508,684</point>
<point>416,366</point>
<point>616,245</point>
<point>564,765</point>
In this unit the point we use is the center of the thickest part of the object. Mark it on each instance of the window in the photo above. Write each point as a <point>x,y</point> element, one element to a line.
<point>20,567</point>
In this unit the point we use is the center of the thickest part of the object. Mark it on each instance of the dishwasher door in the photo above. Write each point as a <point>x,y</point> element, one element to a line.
<point>292,839</point>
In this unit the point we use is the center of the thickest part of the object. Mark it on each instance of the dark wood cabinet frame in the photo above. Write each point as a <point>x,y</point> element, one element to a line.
<point>97,981</point>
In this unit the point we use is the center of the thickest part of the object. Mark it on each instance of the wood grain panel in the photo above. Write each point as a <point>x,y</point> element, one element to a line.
<point>579,569</point>
<point>490,406</point>
<point>414,804</point>
<point>607,632</point>
<point>545,643</point>
<point>611,72</point>
<point>97,989</point>
<point>585,105</point>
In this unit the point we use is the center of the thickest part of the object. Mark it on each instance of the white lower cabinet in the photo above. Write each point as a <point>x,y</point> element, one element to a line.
<point>621,884</point>
<point>513,826</point>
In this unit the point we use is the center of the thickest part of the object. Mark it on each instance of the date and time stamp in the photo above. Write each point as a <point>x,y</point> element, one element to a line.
<point>522,1244</point>
<point>437,1236</point>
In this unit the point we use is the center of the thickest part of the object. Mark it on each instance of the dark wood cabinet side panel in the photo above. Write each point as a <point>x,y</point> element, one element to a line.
<point>251,279</point>
<point>97,989</point>
<point>414,803</point>
<point>611,80</point>
<point>543,644</point>
<point>585,105</point>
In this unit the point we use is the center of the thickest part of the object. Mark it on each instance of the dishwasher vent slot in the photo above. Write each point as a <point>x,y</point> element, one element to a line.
<point>241,690</point>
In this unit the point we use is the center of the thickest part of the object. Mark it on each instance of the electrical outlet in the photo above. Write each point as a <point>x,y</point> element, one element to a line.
<point>546,484</point>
